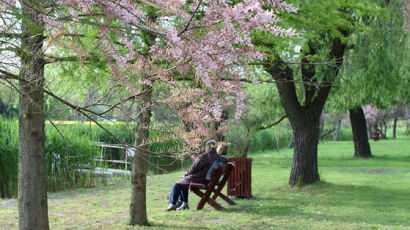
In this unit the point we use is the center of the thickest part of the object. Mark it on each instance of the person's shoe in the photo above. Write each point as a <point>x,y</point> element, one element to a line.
<point>183,206</point>
<point>179,203</point>
<point>171,207</point>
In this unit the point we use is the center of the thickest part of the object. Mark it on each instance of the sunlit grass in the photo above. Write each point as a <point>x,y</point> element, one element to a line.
<point>354,194</point>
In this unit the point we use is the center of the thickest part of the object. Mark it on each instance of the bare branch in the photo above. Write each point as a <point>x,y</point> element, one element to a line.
<point>190,20</point>
<point>10,35</point>
<point>7,75</point>
<point>327,133</point>
<point>273,124</point>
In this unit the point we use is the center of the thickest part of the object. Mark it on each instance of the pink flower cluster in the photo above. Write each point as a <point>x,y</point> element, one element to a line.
<point>221,47</point>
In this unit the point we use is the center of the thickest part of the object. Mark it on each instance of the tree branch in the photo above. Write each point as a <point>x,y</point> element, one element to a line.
<point>10,35</point>
<point>327,133</point>
<point>7,75</point>
<point>190,20</point>
<point>271,125</point>
<point>283,76</point>
<point>308,76</point>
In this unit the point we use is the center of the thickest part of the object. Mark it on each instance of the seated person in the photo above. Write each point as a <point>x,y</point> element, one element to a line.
<point>222,150</point>
<point>195,174</point>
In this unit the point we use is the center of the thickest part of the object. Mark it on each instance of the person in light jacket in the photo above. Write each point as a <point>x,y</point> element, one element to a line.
<point>195,174</point>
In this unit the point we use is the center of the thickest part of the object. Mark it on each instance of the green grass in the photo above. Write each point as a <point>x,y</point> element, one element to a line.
<point>354,194</point>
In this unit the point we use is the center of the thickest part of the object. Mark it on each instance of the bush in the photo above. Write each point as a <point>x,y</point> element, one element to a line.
<point>259,141</point>
<point>268,139</point>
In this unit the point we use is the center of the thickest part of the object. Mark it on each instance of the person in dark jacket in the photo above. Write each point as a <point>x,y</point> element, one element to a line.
<point>222,151</point>
<point>195,174</point>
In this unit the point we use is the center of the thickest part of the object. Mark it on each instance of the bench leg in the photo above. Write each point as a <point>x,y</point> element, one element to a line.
<point>225,198</point>
<point>203,199</point>
<point>206,199</point>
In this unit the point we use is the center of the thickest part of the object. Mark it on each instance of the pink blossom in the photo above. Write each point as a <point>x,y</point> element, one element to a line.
<point>214,47</point>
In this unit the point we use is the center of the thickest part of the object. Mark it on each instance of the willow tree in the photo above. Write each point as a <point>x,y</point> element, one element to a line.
<point>324,28</point>
<point>376,70</point>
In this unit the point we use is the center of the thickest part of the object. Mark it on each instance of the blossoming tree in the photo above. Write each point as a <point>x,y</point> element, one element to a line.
<point>199,49</point>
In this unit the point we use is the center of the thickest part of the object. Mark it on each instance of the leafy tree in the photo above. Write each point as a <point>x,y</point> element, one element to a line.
<point>375,71</point>
<point>324,28</point>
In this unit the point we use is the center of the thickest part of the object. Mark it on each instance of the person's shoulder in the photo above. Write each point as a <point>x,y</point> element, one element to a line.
<point>203,155</point>
<point>211,154</point>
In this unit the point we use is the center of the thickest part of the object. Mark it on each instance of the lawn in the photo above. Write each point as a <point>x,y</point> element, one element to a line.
<point>354,194</point>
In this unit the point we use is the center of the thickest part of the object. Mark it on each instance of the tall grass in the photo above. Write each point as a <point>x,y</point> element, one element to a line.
<point>65,156</point>
<point>8,158</point>
<point>75,149</point>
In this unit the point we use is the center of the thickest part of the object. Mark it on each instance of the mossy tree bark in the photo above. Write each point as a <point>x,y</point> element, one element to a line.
<point>32,186</point>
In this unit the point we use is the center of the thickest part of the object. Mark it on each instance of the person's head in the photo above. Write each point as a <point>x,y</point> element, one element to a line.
<point>222,149</point>
<point>211,144</point>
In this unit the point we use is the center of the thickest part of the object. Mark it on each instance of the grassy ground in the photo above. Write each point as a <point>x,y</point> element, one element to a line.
<point>353,194</point>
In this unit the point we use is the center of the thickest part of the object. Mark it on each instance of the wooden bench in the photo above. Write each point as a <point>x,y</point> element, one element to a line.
<point>219,178</point>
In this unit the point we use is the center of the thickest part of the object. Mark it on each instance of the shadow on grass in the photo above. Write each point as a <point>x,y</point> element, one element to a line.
<point>395,161</point>
<point>399,158</point>
<point>338,203</point>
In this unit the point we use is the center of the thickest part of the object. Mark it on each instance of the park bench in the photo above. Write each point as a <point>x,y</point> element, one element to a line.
<point>213,189</point>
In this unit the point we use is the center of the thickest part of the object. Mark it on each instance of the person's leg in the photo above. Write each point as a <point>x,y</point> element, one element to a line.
<point>173,198</point>
<point>183,193</point>
<point>183,197</point>
<point>175,194</point>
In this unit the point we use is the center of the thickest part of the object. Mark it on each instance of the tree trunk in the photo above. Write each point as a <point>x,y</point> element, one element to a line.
<point>305,122</point>
<point>359,130</point>
<point>383,129</point>
<point>138,209</point>
<point>219,135</point>
<point>336,134</point>
<point>247,144</point>
<point>305,118</point>
<point>32,185</point>
<point>306,138</point>
<point>291,141</point>
<point>278,141</point>
<point>394,127</point>
<point>369,129</point>
<point>321,125</point>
